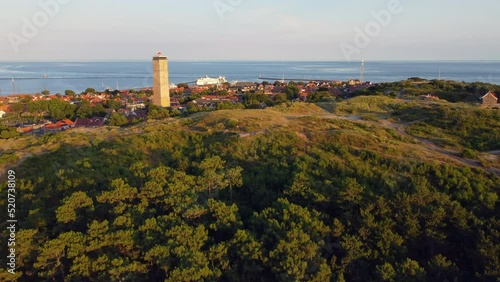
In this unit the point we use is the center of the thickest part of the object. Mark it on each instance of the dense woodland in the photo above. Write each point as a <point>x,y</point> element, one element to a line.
<point>306,199</point>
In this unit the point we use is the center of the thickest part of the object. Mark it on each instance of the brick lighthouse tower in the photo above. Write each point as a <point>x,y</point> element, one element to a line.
<point>161,88</point>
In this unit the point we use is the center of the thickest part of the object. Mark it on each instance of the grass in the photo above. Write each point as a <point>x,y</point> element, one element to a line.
<point>237,120</point>
<point>298,108</point>
<point>369,130</point>
<point>365,105</point>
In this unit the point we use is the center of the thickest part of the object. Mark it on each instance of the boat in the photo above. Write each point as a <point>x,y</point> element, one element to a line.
<point>210,81</point>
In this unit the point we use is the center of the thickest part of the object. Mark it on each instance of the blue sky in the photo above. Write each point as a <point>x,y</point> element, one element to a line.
<point>250,30</point>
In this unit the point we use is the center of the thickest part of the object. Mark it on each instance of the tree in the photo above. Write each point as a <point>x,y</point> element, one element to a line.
<point>157,112</point>
<point>113,104</point>
<point>293,255</point>
<point>175,113</point>
<point>50,260</point>
<point>141,95</point>
<point>17,108</point>
<point>221,92</point>
<point>280,98</point>
<point>90,90</point>
<point>60,110</point>
<point>69,93</point>
<point>234,179</point>
<point>295,237</point>
<point>99,110</point>
<point>27,99</point>
<point>46,92</point>
<point>225,217</point>
<point>67,212</point>
<point>85,110</point>
<point>121,196</point>
<point>38,107</point>
<point>318,96</point>
<point>117,119</point>
<point>255,100</point>
<point>292,92</point>
<point>386,272</point>
<point>7,132</point>
<point>213,177</point>
<point>410,270</point>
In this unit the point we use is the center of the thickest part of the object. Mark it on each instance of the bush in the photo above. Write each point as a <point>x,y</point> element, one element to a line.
<point>469,154</point>
<point>7,132</point>
<point>118,120</point>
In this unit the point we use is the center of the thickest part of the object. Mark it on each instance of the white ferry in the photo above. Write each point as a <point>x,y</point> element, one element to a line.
<point>210,81</point>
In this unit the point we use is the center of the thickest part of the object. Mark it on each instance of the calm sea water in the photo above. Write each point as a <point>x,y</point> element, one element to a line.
<point>58,76</point>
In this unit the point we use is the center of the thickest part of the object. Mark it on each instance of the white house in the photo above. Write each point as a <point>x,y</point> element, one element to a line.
<point>2,113</point>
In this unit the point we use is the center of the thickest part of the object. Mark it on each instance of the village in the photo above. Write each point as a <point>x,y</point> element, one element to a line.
<point>49,113</point>
<point>44,112</point>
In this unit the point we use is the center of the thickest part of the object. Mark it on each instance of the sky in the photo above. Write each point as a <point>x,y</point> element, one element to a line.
<point>192,30</point>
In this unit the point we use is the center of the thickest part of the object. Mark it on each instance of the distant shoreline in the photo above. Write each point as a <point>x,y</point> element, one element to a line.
<point>247,61</point>
<point>57,76</point>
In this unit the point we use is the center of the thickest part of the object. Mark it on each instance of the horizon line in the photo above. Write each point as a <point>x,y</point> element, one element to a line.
<point>248,60</point>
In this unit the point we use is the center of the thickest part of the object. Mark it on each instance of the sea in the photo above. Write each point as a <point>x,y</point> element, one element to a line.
<point>33,77</point>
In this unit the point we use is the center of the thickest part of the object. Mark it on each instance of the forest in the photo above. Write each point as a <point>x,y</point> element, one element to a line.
<point>298,192</point>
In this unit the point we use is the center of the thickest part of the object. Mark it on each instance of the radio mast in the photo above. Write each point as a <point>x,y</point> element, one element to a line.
<point>13,86</point>
<point>362,71</point>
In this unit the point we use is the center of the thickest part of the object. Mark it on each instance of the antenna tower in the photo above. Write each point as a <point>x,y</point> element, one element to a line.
<point>362,71</point>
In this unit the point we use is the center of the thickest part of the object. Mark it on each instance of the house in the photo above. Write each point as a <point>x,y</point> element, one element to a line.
<point>245,86</point>
<point>11,99</point>
<point>353,82</point>
<point>428,97</point>
<point>90,122</point>
<point>2,113</point>
<point>59,126</point>
<point>136,106</point>
<point>303,96</point>
<point>5,108</point>
<point>490,100</point>
<point>25,129</point>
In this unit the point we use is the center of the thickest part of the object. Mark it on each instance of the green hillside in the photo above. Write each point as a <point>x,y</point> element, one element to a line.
<point>368,189</point>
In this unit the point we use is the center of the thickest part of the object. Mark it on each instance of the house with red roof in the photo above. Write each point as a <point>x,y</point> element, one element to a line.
<point>5,108</point>
<point>490,100</point>
<point>11,99</point>
<point>90,122</point>
<point>59,126</point>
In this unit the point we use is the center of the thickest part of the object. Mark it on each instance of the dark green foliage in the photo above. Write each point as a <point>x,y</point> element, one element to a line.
<point>90,90</point>
<point>471,127</point>
<point>452,91</point>
<point>318,96</point>
<point>113,104</point>
<point>86,110</point>
<point>17,108</point>
<point>468,153</point>
<point>229,106</point>
<point>176,205</point>
<point>58,109</point>
<point>157,112</point>
<point>7,132</point>
<point>256,100</point>
<point>117,119</point>
<point>292,91</point>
